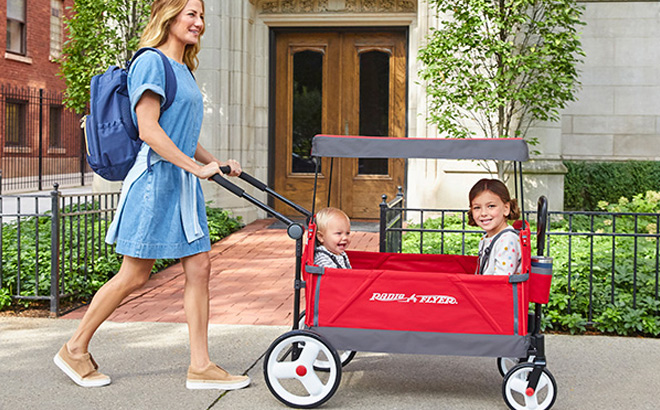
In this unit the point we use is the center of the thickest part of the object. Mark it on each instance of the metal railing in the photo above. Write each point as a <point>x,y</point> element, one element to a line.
<point>391,217</point>
<point>600,258</point>
<point>51,244</point>
<point>42,142</point>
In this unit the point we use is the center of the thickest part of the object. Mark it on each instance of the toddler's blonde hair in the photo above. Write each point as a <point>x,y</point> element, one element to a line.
<point>324,216</point>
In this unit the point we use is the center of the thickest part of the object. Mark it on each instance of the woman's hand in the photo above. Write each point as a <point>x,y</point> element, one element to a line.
<point>205,157</point>
<point>208,170</point>
<point>235,167</point>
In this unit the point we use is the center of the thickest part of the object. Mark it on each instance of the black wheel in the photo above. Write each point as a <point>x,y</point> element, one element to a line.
<point>290,373</point>
<point>345,356</point>
<point>518,396</point>
<point>505,364</point>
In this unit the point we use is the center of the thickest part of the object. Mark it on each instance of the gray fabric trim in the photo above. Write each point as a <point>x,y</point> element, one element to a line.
<point>515,308</point>
<point>454,344</point>
<point>317,291</point>
<point>316,270</point>
<point>517,278</point>
<point>507,149</point>
<point>542,270</point>
<point>542,265</point>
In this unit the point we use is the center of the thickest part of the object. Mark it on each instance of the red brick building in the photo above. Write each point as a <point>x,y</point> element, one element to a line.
<point>40,138</point>
<point>34,38</point>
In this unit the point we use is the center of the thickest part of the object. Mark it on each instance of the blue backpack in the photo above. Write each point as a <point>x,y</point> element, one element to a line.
<point>111,137</point>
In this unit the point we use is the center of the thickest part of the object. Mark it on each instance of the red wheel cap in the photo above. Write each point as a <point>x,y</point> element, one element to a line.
<point>529,392</point>
<point>301,370</point>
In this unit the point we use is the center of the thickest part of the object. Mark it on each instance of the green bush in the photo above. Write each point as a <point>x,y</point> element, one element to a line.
<point>611,289</point>
<point>587,183</point>
<point>82,276</point>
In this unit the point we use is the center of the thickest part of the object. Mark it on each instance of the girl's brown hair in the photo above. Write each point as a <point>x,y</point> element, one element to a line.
<point>163,13</point>
<point>498,188</point>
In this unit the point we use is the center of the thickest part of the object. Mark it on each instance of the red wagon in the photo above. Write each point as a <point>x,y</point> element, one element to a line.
<point>414,303</point>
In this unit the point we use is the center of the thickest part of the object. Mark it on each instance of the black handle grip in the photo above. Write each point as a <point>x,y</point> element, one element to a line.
<point>226,169</point>
<point>253,181</point>
<point>228,185</point>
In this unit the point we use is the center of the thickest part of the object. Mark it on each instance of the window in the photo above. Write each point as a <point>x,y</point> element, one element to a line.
<point>374,106</point>
<point>55,128</point>
<point>55,28</point>
<point>15,122</point>
<point>307,107</point>
<point>16,26</point>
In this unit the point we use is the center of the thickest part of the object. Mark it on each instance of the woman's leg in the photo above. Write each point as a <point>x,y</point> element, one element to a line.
<point>132,275</point>
<point>202,373</point>
<point>196,305</point>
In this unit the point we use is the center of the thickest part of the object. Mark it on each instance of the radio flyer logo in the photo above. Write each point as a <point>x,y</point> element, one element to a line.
<point>414,298</point>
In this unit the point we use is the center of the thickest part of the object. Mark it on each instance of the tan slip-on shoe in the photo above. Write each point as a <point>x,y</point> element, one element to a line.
<point>215,377</point>
<point>82,371</point>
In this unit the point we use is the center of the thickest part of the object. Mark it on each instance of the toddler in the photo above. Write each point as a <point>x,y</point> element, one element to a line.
<point>491,207</point>
<point>333,230</point>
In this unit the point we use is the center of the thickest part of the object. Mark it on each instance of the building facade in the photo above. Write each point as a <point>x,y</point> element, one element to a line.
<point>39,136</point>
<point>267,63</point>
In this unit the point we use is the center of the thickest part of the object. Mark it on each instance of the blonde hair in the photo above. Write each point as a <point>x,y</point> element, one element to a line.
<point>163,12</point>
<point>325,215</point>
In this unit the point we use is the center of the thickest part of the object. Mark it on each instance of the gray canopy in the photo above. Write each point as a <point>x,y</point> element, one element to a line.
<point>505,149</point>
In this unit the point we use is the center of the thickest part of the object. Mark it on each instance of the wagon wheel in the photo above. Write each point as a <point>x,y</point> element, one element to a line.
<point>518,396</point>
<point>505,364</point>
<point>290,372</point>
<point>345,356</point>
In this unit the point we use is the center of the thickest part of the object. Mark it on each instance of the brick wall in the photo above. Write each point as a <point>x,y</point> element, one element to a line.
<point>35,69</point>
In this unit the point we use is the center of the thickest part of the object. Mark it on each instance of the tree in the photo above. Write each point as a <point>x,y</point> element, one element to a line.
<point>100,33</point>
<point>500,66</point>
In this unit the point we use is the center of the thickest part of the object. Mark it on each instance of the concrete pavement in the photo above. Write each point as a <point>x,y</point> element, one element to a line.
<point>144,349</point>
<point>148,362</point>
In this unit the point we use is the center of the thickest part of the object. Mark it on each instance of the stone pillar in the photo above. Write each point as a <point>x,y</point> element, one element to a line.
<point>103,185</point>
<point>544,173</point>
<point>235,99</point>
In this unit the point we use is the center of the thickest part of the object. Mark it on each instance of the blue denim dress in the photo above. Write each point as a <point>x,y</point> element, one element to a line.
<point>161,211</point>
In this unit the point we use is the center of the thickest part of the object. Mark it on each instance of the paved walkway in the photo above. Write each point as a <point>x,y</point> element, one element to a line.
<point>252,284</point>
<point>252,273</point>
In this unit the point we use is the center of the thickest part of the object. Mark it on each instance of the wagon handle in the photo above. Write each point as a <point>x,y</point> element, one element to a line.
<point>264,188</point>
<point>294,229</point>
<point>541,223</point>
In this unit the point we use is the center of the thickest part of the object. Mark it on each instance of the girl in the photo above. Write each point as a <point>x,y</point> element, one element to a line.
<point>333,230</point>
<point>161,211</point>
<point>491,207</point>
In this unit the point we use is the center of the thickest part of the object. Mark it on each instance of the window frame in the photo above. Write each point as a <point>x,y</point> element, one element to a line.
<point>56,28</point>
<point>23,31</point>
<point>16,126</point>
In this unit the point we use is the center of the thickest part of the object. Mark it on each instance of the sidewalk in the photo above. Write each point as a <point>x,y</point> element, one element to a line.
<point>143,347</point>
<point>252,273</point>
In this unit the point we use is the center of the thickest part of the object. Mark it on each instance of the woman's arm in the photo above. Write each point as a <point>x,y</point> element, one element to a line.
<point>205,157</point>
<point>148,113</point>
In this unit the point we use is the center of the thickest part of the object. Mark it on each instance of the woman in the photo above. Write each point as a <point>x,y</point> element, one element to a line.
<point>161,212</point>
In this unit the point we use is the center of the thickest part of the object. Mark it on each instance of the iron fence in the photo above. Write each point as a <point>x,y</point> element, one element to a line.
<point>391,217</point>
<point>42,142</point>
<point>51,245</point>
<point>600,259</point>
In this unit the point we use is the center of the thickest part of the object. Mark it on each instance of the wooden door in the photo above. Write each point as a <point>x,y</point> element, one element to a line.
<point>344,82</point>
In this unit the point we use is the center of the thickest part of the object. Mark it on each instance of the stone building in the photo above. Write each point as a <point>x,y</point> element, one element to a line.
<point>273,70</point>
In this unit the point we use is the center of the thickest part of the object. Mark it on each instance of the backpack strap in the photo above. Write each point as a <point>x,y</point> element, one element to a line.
<point>483,256</point>
<point>170,79</point>
<point>170,85</point>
